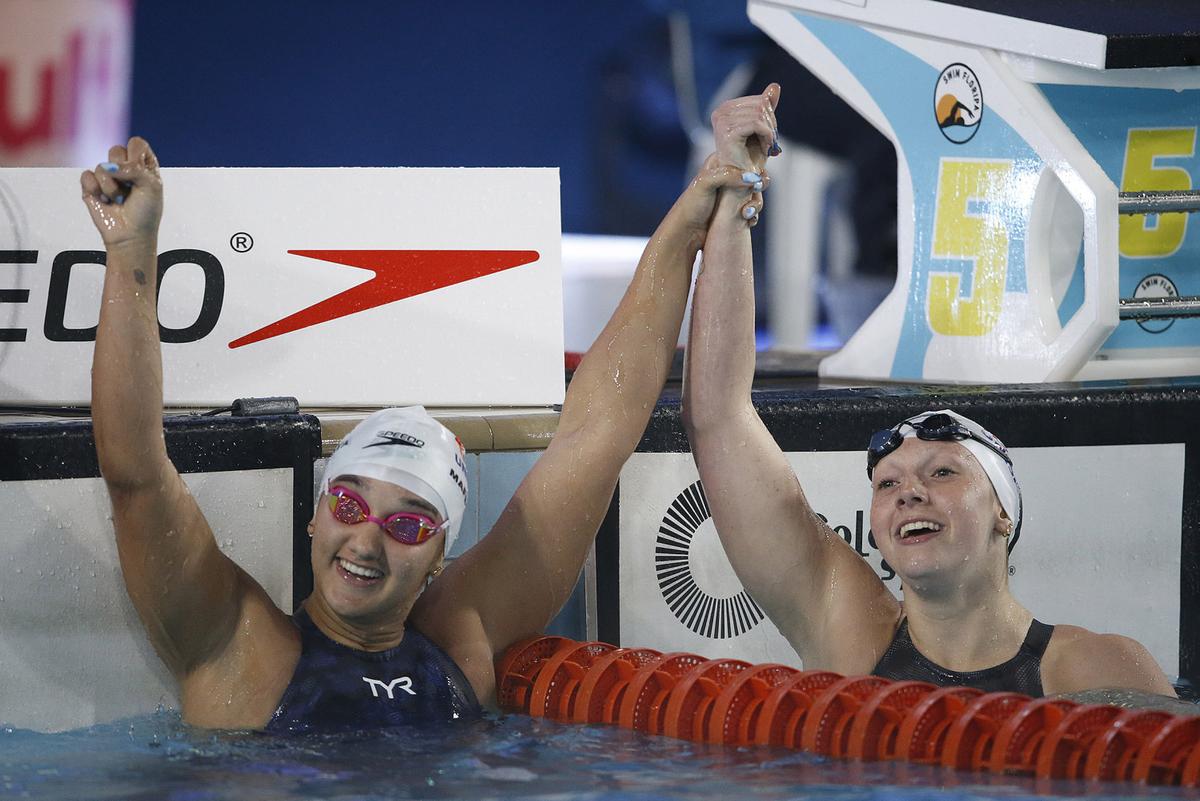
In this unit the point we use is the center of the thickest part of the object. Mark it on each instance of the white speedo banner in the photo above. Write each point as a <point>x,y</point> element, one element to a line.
<point>1099,548</point>
<point>341,287</point>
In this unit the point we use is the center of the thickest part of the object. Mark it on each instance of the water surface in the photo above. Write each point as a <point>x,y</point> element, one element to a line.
<point>158,758</point>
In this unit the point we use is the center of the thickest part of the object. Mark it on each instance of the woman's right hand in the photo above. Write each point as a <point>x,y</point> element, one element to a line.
<point>745,129</point>
<point>124,195</point>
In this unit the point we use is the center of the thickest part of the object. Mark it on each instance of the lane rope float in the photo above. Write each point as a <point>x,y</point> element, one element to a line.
<point>728,701</point>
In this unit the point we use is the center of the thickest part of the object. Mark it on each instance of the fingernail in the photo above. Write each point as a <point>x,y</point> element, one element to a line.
<point>775,149</point>
<point>751,178</point>
<point>749,212</point>
<point>104,198</point>
<point>758,187</point>
<point>109,166</point>
<point>120,199</point>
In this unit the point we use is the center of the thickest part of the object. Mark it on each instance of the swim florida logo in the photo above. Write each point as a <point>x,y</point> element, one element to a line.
<point>958,103</point>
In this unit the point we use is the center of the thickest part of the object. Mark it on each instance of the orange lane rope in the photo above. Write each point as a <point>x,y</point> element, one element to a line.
<point>728,701</point>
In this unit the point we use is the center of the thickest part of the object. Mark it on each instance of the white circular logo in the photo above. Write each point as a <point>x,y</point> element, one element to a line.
<point>1155,285</point>
<point>958,103</point>
<point>730,614</point>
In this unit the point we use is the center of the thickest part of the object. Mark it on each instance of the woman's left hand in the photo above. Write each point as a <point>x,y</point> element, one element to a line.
<point>698,201</point>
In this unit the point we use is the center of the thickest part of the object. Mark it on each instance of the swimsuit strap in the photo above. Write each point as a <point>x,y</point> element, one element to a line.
<point>1037,638</point>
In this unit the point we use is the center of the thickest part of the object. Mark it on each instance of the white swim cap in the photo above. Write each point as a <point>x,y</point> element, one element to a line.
<point>407,447</point>
<point>992,457</point>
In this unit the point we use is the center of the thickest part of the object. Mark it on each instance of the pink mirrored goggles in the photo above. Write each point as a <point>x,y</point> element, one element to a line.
<point>409,528</point>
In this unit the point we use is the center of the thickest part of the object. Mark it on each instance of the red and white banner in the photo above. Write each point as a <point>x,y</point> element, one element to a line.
<point>341,287</point>
<point>64,79</point>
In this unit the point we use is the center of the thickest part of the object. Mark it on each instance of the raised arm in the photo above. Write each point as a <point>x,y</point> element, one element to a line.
<point>517,578</point>
<point>185,590</point>
<point>815,588</point>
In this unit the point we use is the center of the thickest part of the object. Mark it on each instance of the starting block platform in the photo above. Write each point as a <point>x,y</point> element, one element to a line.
<point>1047,161</point>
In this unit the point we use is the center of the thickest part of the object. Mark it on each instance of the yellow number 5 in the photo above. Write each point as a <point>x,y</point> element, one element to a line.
<point>1138,238</point>
<point>979,238</point>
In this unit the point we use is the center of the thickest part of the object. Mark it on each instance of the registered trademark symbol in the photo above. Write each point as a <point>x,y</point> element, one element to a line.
<point>1012,570</point>
<point>241,241</point>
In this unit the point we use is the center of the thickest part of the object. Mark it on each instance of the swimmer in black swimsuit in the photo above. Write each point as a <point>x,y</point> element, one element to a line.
<point>368,648</point>
<point>944,507</point>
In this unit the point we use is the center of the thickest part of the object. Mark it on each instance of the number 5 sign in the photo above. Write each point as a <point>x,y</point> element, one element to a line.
<point>1146,236</point>
<point>979,236</point>
<point>1013,141</point>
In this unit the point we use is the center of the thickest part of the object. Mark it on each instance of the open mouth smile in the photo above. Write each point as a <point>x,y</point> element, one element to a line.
<point>918,531</point>
<point>357,574</point>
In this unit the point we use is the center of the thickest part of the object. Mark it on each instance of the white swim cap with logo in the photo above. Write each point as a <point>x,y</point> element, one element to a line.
<point>405,446</point>
<point>999,472</point>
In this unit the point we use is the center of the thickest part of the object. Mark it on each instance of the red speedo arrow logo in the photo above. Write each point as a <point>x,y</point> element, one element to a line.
<point>399,274</point>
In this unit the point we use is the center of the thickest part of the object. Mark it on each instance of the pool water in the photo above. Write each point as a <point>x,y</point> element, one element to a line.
<point>159,758</point>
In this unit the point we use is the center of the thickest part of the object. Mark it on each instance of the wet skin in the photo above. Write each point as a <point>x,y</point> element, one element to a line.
<point>364,581</point>
<point>232,650</point>
<point>939,483</point>
<point>824,598</point>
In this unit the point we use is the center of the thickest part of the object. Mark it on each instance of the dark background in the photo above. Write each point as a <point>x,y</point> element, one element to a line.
<point>583,86</point>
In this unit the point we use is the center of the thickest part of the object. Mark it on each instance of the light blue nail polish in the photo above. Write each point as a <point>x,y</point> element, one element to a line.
<point>758,187</point>
<point>120,199</point>
<point>108,166</point>
<point>751,178</point>
<point>749,212</point>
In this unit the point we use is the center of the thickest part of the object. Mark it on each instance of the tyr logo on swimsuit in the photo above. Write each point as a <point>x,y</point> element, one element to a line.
<point>403,682</point>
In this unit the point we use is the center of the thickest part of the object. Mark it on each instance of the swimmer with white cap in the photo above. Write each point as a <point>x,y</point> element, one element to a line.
<point>386,637</point>
<point>945,510</point>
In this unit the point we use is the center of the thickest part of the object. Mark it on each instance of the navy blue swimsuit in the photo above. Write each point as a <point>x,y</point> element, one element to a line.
<point>1021,674</point>
<point>336,687</point>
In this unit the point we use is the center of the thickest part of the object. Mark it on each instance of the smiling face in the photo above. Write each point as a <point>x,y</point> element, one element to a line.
<point>360,574</point>
<point>935,515</point>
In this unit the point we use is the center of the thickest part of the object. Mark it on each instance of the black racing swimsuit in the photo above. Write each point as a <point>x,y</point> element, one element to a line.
<point>336,687</point>
<point>1021,674</point>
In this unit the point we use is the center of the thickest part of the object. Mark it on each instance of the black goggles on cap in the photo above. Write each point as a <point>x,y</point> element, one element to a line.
<point>939,427</point>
